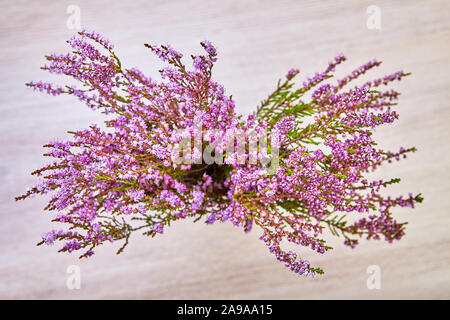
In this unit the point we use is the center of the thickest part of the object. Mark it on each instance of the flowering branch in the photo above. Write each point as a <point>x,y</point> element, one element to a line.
<point>108,183</point>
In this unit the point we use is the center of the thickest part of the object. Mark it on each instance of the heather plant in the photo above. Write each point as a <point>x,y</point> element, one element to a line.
<point>170,150</point>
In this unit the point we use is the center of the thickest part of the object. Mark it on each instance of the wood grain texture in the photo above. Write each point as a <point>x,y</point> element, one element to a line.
<point>258,41</point>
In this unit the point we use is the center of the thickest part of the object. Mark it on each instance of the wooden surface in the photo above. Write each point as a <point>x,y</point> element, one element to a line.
<point>257,42</point>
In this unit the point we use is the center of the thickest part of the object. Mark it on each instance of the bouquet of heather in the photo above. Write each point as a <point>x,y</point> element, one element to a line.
<point>175,149</point>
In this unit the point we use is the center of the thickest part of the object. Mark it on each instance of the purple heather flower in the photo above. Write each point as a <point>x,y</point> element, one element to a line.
<point>96,227</point>
<point>292,73</point>
<point>209,48</point>
<point>50,237</point>
<point>158,228</point>
<point>106,184</point>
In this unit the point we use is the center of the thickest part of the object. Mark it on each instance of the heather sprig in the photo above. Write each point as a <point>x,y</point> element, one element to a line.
<point>107,183</point>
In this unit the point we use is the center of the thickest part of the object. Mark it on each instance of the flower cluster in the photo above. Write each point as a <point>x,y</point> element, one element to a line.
<point>107,183</point>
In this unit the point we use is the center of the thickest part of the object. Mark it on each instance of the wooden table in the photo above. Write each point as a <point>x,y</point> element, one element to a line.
<point>258,41</point>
